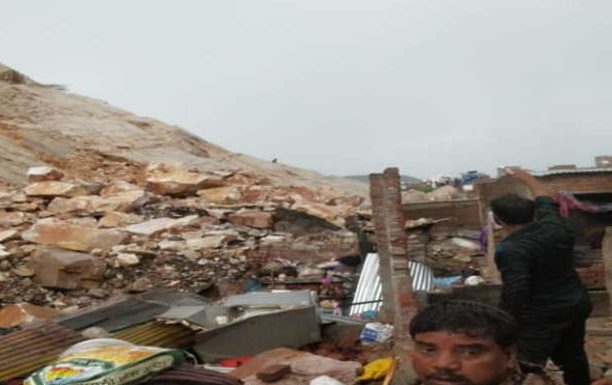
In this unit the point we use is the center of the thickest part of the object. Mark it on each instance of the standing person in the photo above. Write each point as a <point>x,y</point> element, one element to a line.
<point>540,286</point>
<point>467,343</point>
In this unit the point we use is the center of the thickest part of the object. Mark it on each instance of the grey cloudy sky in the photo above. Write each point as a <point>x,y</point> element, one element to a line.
<point>346,86</point>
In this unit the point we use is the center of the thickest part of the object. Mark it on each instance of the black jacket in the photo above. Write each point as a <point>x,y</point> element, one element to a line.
<point>537,269</point>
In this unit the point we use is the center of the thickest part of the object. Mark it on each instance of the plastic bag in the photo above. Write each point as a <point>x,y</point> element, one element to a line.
<point>105,361</point>
<point>325,380</point>
<point>376,332</point>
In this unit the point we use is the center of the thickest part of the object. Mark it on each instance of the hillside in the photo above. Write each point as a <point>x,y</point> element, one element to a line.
<point>88,138</point>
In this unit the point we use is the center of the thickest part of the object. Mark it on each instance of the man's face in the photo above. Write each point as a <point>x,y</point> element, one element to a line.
<point>447,358</point>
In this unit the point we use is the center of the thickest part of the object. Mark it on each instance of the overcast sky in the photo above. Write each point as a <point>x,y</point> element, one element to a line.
<point>342,87</point>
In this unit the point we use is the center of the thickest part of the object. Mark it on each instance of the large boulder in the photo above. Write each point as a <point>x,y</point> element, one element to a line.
<point>63,269</point>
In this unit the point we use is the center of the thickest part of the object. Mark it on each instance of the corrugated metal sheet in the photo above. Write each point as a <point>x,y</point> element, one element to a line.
<point>290,298</point>
<point>26,350</point>
<point>117,316</point>
<point>158,334</point>
<point>593,170</point>
<point>368,295</point>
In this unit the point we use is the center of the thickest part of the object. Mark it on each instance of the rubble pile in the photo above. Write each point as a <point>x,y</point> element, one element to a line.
<point>441,194</point>
<point>445,247</point>
<point>68,242</point>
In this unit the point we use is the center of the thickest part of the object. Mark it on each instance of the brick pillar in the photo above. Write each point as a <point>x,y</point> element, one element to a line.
<point>399,305</point>
<point>490,273</point>
<point>606,251</point>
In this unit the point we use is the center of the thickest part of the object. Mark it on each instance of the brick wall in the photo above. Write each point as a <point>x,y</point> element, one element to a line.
<point>312,252</point>
<point>463,213</point>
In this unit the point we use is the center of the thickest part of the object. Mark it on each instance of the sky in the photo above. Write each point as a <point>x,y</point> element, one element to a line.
<point>341,86</point>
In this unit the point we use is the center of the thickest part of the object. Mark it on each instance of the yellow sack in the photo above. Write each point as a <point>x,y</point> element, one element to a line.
<point>376,369</point>
<point>106,361</point>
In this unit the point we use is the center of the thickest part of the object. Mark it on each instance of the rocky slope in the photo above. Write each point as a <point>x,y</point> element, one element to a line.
<point>119,203</point>
<point>44,125</point>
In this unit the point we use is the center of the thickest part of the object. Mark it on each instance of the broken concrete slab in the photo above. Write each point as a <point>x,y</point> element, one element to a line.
<point>63,269</point>
<point>158,225</point>
<point>44,173</point>
<point>51,231</point>
<point>252,218</point>
<point>23,313</point>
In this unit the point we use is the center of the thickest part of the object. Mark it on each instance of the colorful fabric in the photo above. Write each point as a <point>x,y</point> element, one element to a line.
<point>568,201</point>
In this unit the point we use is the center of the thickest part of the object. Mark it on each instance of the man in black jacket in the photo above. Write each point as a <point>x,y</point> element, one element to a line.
<point>540,286</point>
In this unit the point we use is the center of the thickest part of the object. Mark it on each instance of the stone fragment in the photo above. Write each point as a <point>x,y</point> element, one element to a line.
<point>273,372</point>
<point>170,179</point>
<point>55,189</point>
<point>54,232</point>
<point>65,269</point>
<point>221,195</point>
<point>12,218</point>
<point>329,213</point>
<point>5,235</point>
<point>171,245</point>
<point>127,259</point>
<point>87,204</point>
<point>118,219</point>
<point>44,173</point>
<point>95,332</point>
<point>123,201</point>
<point>207,242</point>
<point>140,285</point>
<point>251,218</point>
<point>28,206</point>
<point>23,313</point>
<point>97,293</point>
<point>191,255</point>
<point>23,271</point>
<point>19,197</point>
<point>304,367</point>
<point>125,196</point>
<point>160,224</point>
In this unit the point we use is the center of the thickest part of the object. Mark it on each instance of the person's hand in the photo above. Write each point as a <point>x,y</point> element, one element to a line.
<point>520,174</point>
<point>535,186</point>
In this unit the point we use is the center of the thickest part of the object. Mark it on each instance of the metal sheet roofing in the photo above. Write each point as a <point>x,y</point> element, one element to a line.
<point>368,295</point>
<point>26,350</point>
<point>159,334</point>
<point>585,170</point>
<point>121,315</point>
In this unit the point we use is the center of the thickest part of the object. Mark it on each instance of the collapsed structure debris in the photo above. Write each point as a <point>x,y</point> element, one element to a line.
<point>102,237</point>
<point>101,240</point>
